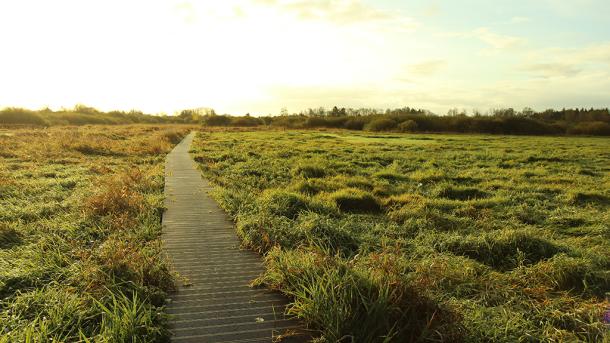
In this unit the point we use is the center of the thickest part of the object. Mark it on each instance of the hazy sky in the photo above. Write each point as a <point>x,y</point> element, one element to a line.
<point>258,56</point>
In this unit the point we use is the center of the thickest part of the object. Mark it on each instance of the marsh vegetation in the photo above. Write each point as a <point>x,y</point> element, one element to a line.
<point>402,238</point>
<point>80,257</point>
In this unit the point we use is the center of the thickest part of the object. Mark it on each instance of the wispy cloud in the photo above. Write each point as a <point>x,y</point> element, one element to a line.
<point>548,70</point>
<point>426,68</point>
<point>497,41</point>
<point>486,35</point>
<point>568,62</point>
<point>340,12</point>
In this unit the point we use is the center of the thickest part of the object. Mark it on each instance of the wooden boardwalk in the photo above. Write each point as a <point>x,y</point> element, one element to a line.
<point>216,305</point>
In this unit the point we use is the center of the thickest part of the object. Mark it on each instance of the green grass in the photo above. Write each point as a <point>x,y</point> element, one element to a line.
<point>80,256</point>
<point>424,237</point>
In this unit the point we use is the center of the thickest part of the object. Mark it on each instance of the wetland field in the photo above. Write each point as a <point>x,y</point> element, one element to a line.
<point>80,255</point>
<point>373,237</point>
<point>391,237</point>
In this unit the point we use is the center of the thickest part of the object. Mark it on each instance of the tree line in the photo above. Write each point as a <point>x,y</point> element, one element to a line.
<point>576,121</point>
<point>497,121</point>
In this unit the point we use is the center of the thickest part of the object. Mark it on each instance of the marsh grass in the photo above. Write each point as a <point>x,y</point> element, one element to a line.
<point>420,238</point>
<point>80,258</point>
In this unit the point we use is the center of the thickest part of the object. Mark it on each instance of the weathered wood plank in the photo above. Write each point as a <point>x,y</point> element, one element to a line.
<point>217,305</point>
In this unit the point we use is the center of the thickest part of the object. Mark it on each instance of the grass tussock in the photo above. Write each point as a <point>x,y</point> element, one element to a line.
<point>79,237</point>
<point>310,170</point>
<point>419,238</point>
<point>366,306</point>
<point>355,200</point>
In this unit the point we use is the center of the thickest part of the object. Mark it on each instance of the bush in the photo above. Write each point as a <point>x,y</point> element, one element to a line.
<point>382,124</point>
<point>598,128</point>
<point>315,122</point>
<point>245,121</point>
<point>22,116</point>
<point>354,124</point>
<point>407,126</point>
<point>215,120</point>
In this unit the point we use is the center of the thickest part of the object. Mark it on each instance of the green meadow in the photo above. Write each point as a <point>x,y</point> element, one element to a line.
<point>409,237</point>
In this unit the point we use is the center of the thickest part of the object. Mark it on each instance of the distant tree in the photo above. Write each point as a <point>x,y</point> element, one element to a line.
<point>80,108</point>
<point>452,112</point>
<point>527,111</point>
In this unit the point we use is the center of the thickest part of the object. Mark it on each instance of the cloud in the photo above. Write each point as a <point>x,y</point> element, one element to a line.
<point>340,12</point>
<point>594,53</point>
<point>497,41</point>
<point>484,34</point>
<point>567,62</point>
<point>426,68</point>
<point>548,70</point>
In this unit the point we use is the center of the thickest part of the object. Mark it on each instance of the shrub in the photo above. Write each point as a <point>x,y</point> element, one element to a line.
<point>22,116</point>
<point>315,122</point>
<point>245,121</point>
<point>354,124</point>
<point>355,200</point>
<point>215,120</point>
<point>382,124</point>
<point>407,126</point>
<point>591,128</point>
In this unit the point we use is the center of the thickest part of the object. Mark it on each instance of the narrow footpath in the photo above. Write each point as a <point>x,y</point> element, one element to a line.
<point>215,303</point>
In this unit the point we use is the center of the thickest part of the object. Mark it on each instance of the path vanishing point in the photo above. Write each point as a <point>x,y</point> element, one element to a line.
<point>215,304</point>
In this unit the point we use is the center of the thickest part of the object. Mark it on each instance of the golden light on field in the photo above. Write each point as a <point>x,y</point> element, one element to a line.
<point>258,56</point>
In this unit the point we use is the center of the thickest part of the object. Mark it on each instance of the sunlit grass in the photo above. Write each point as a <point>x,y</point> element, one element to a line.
<point>424,237</point>
<point>80,257</point>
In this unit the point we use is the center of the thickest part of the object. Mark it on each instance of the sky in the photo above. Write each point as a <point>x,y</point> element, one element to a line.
<point>259,56</point>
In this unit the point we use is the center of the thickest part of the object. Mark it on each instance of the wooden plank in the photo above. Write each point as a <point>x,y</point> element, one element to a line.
<point>200,240</point>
